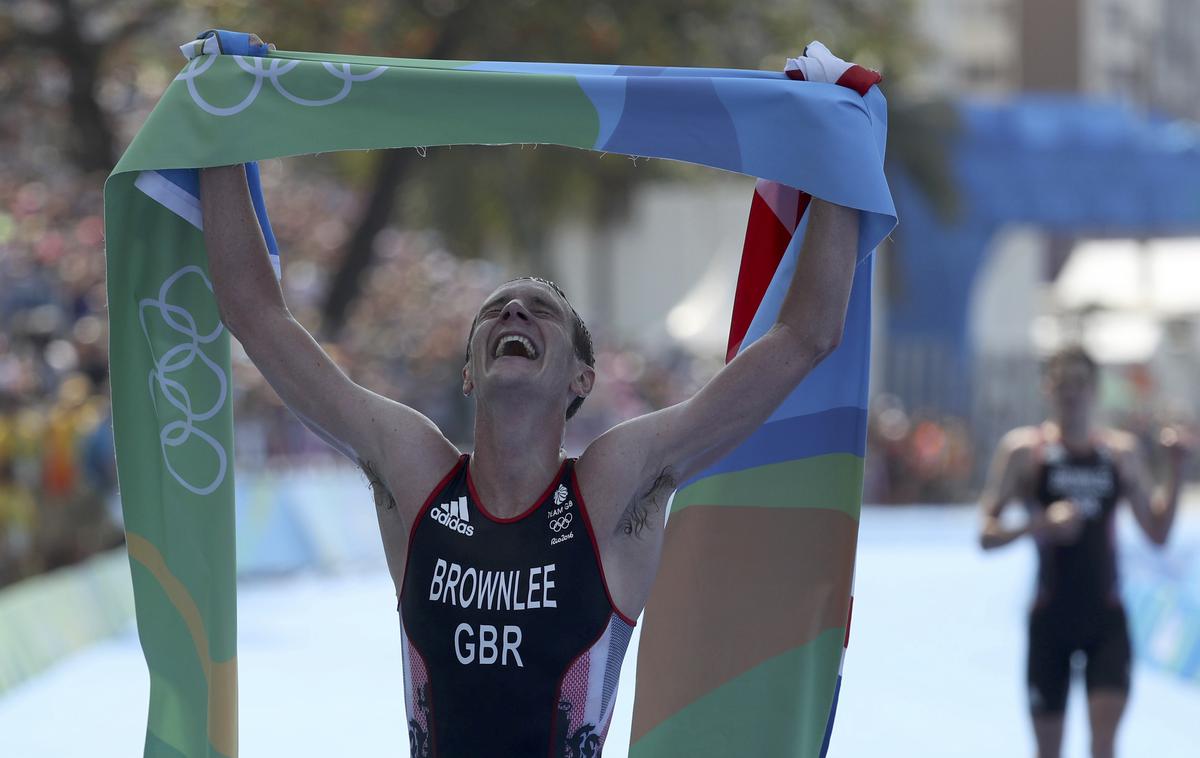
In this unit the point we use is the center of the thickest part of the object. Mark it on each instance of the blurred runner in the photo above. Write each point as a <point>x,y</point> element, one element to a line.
<point>1070,475</point>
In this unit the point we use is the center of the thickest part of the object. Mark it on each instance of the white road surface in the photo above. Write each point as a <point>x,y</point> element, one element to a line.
<point>934,667</point>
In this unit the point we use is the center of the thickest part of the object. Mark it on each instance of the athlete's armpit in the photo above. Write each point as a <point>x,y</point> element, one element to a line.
<point>646,510</point>
<point>383,496</point>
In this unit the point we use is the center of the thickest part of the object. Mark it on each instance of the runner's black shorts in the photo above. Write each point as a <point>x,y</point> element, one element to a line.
<point>1055,636</point>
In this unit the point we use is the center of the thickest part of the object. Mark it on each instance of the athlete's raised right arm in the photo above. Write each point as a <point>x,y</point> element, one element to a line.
<point>1007,481</point>
<point>362,425</point>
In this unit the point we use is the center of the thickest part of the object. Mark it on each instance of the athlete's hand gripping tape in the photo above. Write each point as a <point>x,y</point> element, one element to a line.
<point>819,65</point>
<point>222,42</point>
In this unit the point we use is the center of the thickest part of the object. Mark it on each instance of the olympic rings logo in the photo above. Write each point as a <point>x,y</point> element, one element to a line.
<point>562,522</point>
<point>178,433</point>
<point>269,70</point>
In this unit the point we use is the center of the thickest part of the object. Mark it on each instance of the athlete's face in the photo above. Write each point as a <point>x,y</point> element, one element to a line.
<point>1071,386</point>
<point>524,334</point>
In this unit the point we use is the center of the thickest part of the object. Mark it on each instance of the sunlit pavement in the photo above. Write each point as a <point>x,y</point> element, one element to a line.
<point>935,666</point>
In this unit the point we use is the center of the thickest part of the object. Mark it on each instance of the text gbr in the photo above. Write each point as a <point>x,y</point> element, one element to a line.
<point>491,590</point>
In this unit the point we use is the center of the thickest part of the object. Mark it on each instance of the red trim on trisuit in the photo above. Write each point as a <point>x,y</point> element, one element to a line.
<point>523,514</point>
<point>586,650</point>
<point>429,676</point>
<point>412,528</point>
<point>587,522</point>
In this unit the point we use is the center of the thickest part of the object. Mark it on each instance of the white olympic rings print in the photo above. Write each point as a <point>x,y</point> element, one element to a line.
<point>562,522</point>
<point>269,69</point>
<point>179,357</point>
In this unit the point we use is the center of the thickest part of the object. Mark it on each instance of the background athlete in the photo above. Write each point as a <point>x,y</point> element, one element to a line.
<point>1070,474</point>
<point>520,572</point>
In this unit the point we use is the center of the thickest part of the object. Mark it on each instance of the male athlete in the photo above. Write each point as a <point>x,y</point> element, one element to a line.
<point>520,571</point>
<point>1070,475</point>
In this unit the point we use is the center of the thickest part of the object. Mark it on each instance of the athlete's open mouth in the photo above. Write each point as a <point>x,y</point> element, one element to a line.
<point>515,345</point>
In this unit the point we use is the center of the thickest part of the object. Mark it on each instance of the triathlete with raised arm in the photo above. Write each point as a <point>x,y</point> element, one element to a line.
<point>520,571</point>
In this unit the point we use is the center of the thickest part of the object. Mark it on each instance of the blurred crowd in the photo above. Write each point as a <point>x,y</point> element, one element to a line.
<point>916,457</point>
<point>56,471</point>
<point>923,455</point>
<point>404,337</point>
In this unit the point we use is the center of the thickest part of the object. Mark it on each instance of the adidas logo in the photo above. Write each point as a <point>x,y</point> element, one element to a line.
<point>453,516</point>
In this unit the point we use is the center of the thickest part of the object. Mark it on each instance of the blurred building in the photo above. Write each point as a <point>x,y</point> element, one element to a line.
<point>972,46</point>
<point>1140,51</point>
<point>1036,274</point>
<point>683,293</point>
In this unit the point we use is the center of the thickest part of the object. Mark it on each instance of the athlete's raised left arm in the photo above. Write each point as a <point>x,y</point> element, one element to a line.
<point>1153,507</point>
<point>647,457</point>
<point>671,444</point>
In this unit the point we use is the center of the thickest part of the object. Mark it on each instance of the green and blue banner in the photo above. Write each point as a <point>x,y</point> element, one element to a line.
<point>749,616</point>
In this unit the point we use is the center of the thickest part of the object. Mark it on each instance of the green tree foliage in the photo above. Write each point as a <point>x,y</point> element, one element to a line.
<point>484,201</point>
<point>44,41</point>
<point>511,197</point>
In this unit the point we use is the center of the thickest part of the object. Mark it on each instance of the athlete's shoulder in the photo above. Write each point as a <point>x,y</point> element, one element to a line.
<point>1022,441</point>
<point>1119,442</point>
<point>616,457</point>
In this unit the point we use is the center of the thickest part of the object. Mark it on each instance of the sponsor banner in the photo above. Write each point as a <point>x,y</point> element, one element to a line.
<point>45,618</point>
